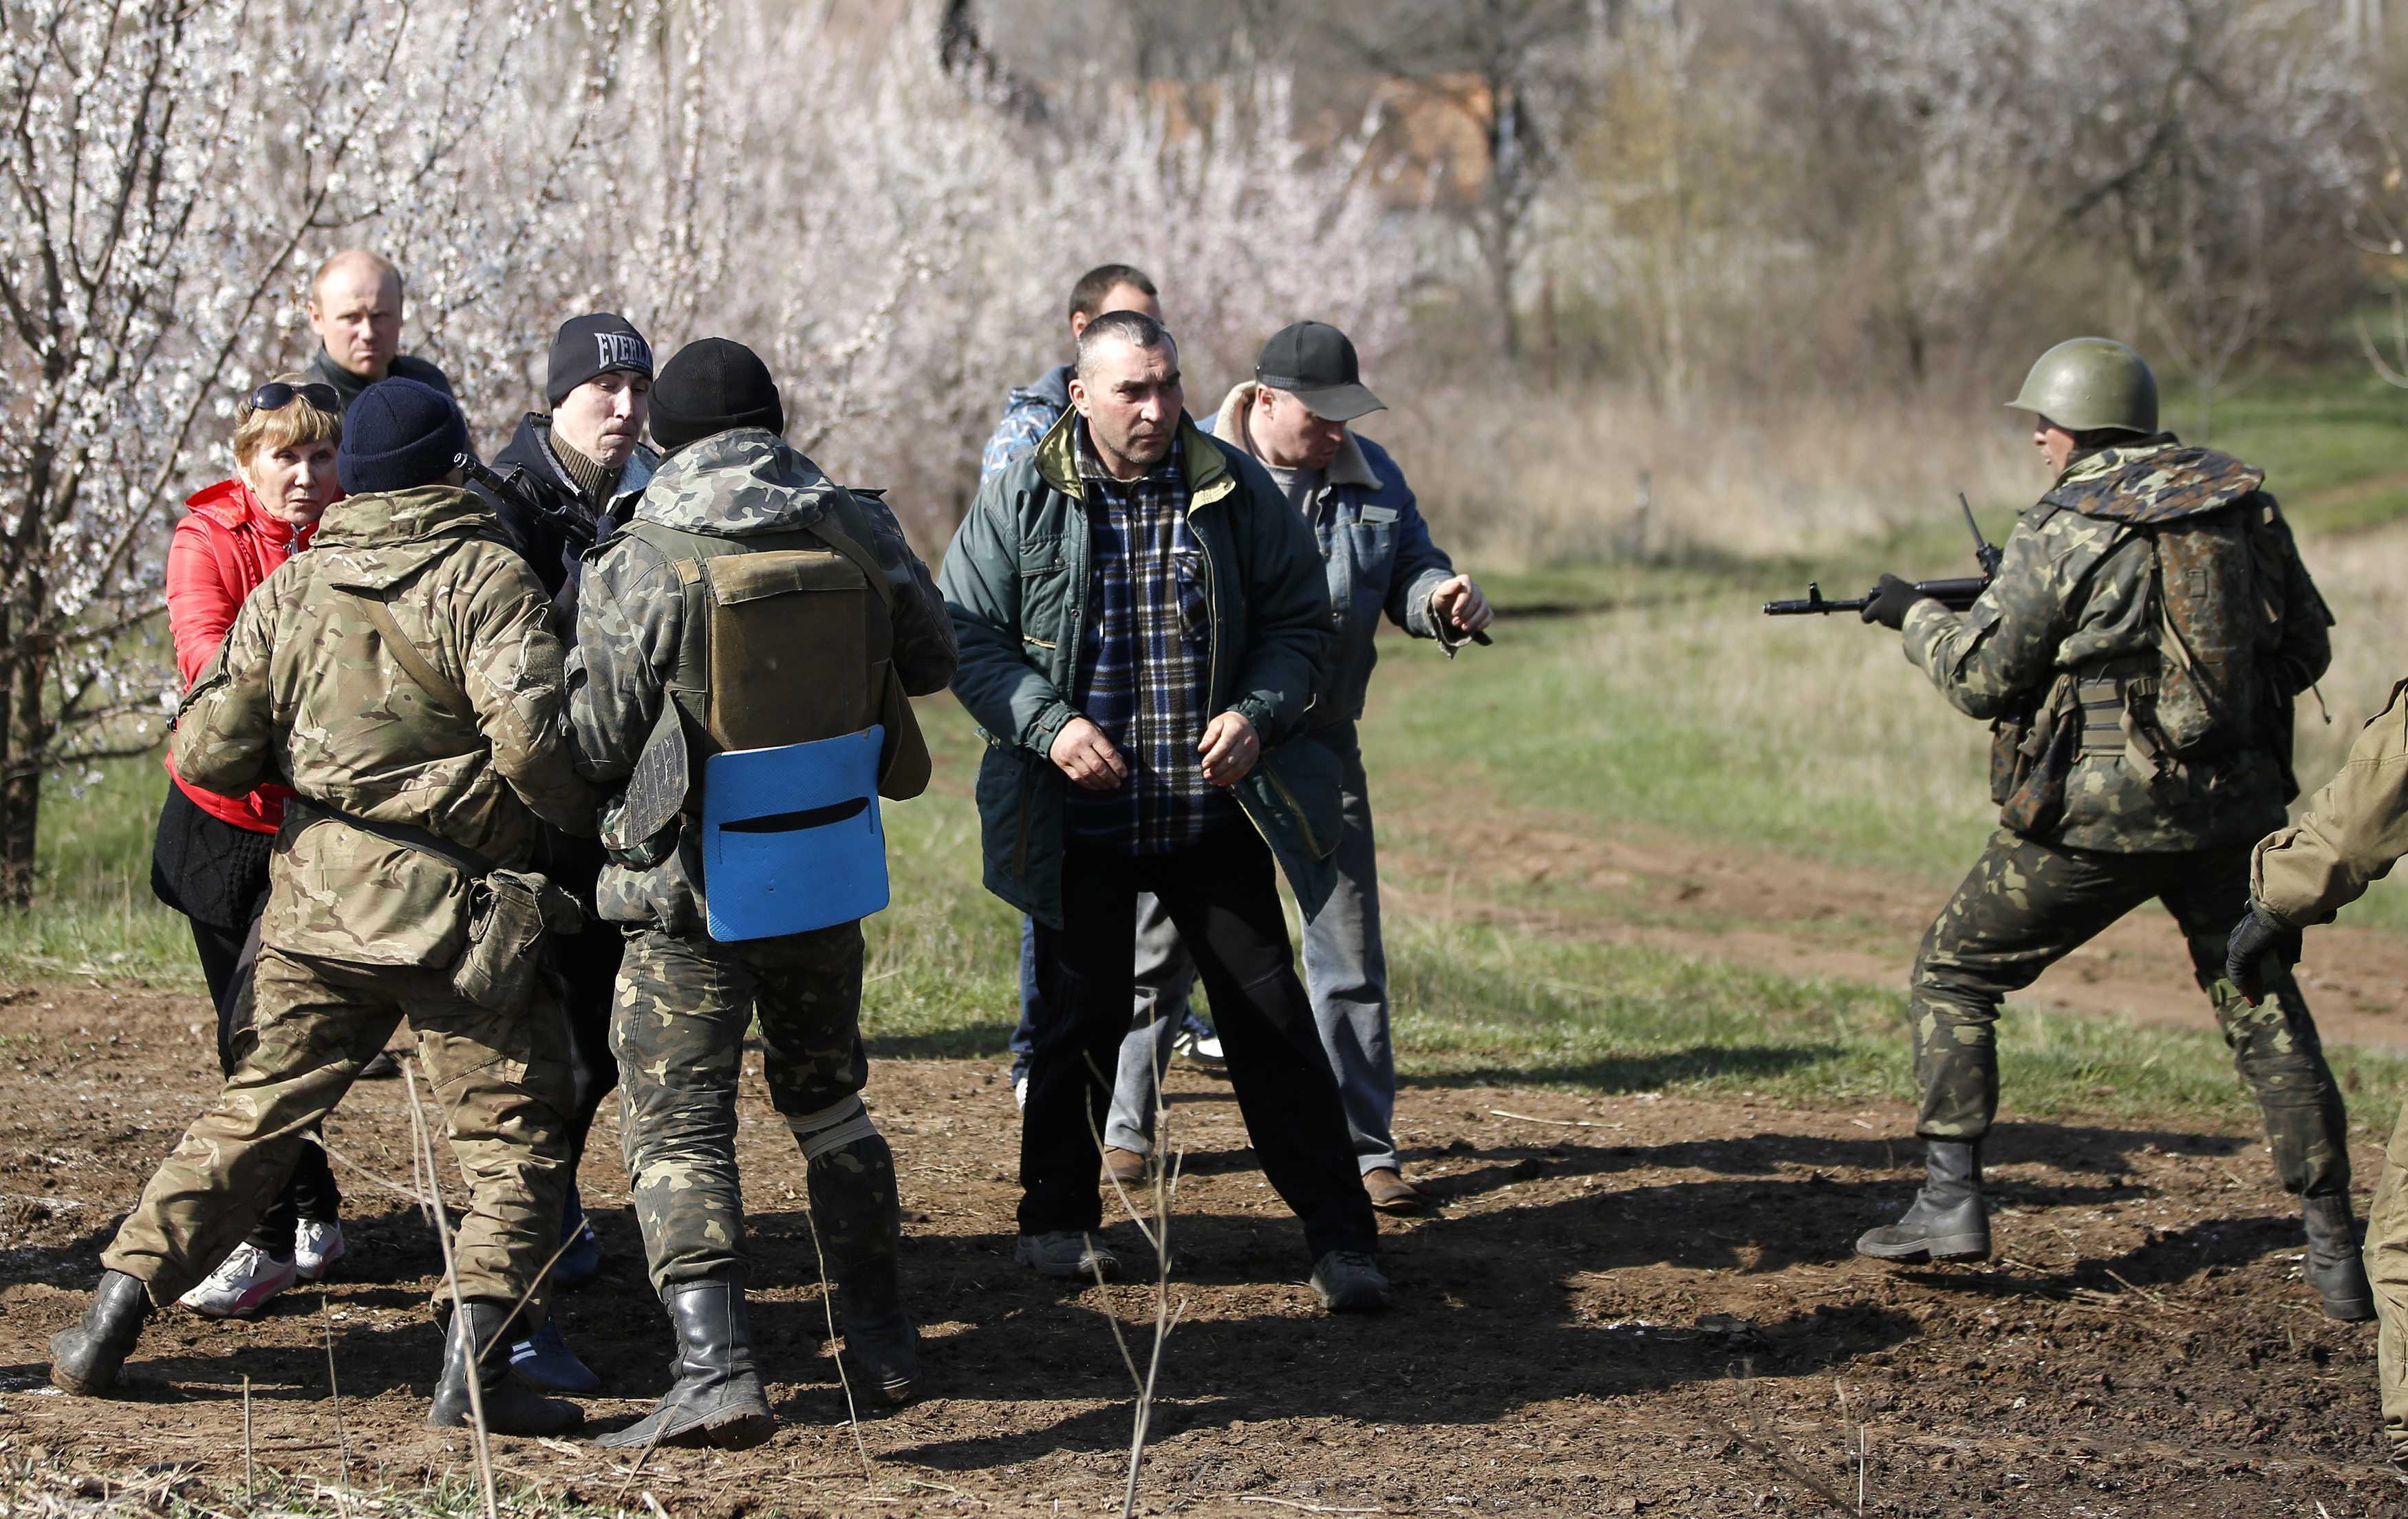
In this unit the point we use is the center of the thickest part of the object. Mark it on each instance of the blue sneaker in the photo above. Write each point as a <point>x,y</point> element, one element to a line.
<point>543,1360</point>
<point>582,1262</point>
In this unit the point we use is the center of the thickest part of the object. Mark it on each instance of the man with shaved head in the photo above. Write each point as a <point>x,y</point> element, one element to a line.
<point>356,309</point>
<point>1141,621</point>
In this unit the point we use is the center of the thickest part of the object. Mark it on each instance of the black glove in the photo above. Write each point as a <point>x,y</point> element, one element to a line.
<point>2256,939</point>
<point>1891,599</point>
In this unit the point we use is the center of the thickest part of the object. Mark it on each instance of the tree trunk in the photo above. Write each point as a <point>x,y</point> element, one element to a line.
<point>21,739</point>
<point>1547,337</point>
<point>1500,281</point>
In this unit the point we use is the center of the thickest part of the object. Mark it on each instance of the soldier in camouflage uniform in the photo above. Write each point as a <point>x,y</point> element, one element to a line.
<point>2349,838</point>
<point>731,486</point>
<point>402,679</point>
<point>2108,800</point>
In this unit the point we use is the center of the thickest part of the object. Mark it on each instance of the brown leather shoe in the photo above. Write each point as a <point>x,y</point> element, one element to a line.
<point>1126,1167</point>
<point>1392,1194</point>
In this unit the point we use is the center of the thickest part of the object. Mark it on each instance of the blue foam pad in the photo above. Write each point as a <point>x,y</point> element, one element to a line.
<point>791,837</point>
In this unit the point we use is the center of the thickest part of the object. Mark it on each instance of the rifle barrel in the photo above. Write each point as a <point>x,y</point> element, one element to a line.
<point>1955,594</point>
<point>1814,604</point>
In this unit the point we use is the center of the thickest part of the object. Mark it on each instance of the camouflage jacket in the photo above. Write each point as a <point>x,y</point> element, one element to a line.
<point>2350,835</point>
<point>304,689</point>
<point>2076,594</point>
<point>631,626</point>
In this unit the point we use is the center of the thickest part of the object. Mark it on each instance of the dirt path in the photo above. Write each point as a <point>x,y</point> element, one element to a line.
<point>1626,1306</point>
<point>1808,918</point>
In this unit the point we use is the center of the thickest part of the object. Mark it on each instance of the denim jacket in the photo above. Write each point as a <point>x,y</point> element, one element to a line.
<point>1376,554</point>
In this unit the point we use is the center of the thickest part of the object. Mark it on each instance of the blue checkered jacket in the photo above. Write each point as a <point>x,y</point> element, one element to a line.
<point>1029,411</point>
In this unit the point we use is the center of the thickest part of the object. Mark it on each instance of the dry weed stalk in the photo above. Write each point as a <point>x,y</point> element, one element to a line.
<point>620,1499</point>
<point>1758,1443</point>
<point>433,1200</point>
<point>828,1304</point>
<point>335,1392</point>
<point>1863,1450</point>
<point>1161,1185</point>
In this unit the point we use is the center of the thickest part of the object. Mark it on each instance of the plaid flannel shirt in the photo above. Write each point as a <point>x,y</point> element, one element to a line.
<point>1145,661</point>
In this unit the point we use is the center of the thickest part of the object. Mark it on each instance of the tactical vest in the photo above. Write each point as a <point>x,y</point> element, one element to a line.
<point>788,638</point>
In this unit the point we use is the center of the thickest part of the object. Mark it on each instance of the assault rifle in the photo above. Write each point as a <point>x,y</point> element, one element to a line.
<point>1956,595</point>
<point>576,526</point>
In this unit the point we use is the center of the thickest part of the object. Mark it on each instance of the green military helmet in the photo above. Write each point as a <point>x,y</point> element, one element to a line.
<point>2091,384</point>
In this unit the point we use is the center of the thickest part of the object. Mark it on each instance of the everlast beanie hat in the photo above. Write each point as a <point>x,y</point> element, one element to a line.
<point>594,345</point>
<point>399,434</point>
<point>713,386</point>
<point>1314,362</point>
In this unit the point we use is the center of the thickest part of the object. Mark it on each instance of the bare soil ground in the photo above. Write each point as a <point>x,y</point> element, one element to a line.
<point>1625,1305</point>
<point>1808,918</point>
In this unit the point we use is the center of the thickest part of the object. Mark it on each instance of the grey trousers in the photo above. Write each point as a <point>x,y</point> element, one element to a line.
<point>1345,973</point>
<point>1166,975</point>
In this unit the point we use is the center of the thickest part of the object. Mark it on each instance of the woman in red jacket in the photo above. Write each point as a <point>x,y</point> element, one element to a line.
<point>210,859</point>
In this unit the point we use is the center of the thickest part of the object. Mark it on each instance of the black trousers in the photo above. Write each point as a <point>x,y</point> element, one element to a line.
<point>216,875</point>
<point>1222,895</point>
<point>588,962</point>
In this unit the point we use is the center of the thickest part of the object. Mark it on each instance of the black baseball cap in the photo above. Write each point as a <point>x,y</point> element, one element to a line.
<point>1314,362</point>
<point>590,346</point>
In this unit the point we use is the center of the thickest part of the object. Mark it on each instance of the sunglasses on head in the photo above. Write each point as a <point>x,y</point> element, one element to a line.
<point>277,394</point>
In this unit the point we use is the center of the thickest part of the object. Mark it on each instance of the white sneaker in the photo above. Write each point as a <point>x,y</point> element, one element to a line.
<point>316,1245</point>
<point>1204,1049</point>
<point>242,1285</point>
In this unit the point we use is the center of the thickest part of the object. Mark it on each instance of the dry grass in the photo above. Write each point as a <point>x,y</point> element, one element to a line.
<point>1525,480</point>
<point>2364,577</point>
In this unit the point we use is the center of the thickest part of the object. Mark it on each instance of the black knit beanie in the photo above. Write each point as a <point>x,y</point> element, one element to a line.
<point>594,345</point>
<point>713,385</point>
<point>399,434</point>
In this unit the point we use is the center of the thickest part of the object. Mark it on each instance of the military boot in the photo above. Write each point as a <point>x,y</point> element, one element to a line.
<point>717,1399</point>
<point>86,1357</point>
<point>2334,1267</point>
<point>1947,1221</point>
<point>510,1405</point>
<point>860,1225</point>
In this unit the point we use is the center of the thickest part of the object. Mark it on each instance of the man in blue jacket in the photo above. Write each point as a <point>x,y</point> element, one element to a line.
<point>1141,621</point>
<point>1294,418</point>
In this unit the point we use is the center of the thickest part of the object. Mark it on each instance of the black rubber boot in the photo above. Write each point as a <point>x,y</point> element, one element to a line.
<point>86,1357</point>
<point>2335,1268</point>
<point>860,1225</point>
<point>1948,1221</point>
<point>512,1407</point>
<point>717,1400</point>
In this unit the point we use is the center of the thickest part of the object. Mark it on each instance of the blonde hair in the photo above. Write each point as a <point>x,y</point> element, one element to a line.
<point>298,420</point>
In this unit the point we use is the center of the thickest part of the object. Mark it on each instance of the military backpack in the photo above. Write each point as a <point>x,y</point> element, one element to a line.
<point>2238,629</point>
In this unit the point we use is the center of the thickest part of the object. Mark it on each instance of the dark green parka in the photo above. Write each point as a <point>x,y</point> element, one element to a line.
<point>1016,580</point>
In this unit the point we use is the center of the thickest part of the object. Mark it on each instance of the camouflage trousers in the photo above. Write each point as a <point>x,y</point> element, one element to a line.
<point>501,1083</point>
<point>683,1008</point>
<point>2386,1268</point>
<point>2027,904</point>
